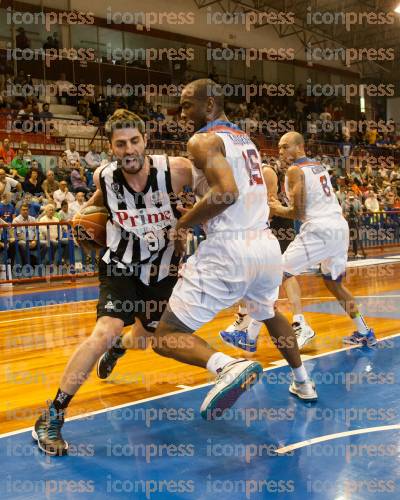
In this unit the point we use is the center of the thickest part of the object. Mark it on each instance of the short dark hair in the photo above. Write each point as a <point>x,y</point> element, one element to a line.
<point>24,205</point>
<point>122,118</point>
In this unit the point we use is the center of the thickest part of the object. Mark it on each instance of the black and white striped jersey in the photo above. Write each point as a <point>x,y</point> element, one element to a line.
<point>138,222</point>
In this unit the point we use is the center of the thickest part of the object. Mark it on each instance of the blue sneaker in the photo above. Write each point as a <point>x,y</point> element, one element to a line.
<point>236,378</point>
<point>240,339</point>
<point>368,340</point>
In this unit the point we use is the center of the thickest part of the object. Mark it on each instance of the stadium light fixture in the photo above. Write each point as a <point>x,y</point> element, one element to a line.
<point>397,9</point>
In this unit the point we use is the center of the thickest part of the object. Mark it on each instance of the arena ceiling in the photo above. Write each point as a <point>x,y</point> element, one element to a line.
<point>334,34</point>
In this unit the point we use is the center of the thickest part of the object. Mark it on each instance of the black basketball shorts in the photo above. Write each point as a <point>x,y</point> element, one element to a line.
<point>124,296</point>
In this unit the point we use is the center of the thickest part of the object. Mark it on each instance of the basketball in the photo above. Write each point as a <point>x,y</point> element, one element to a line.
<point>89,226</point>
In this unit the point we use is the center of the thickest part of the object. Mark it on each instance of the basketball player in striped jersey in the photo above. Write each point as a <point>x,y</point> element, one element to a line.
<point>240,258</point>
<point>139,269</point>
<point>244,331</point>
<point>324,234</point>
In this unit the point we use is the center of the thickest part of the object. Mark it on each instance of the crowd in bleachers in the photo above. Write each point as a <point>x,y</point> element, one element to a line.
<point>29,194</point>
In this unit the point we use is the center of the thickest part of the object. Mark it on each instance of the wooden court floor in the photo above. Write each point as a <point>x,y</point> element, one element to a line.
<point>36,343</point>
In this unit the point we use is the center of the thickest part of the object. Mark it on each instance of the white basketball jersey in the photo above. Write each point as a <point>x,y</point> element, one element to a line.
<point>250,212</point>
<point>320,198</point>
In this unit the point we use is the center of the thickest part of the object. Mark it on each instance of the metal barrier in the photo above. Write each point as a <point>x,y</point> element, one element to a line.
<point>378,229</point>
<point>42,251</point>
<point>36,252</point>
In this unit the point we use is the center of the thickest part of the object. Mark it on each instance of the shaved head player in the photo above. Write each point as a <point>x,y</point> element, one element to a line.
<point>240,258</point>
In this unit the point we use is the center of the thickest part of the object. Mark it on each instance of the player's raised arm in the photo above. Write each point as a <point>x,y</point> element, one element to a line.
<point>297,195</point>
<point>208,154</point>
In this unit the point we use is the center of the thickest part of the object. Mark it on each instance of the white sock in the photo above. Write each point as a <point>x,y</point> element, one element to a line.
<point>360,324</point>
<point>242,310</point>
<point>253,329</point>
<point>217,361</point>
<point>298,318</point>
<point>300,374</point>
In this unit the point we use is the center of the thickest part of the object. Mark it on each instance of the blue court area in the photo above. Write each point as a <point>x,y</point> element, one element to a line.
<point>162,448</point>
<point>47,298</point>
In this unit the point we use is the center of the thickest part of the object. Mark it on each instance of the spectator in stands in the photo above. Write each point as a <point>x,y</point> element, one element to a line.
<point>390,197</point>
<point>64,88</point>
<point>78,179</point>
<point>8,183</point>
<point>371,203</point>
<point>92,158</point>
<point>32,184</point>
<point>78,204</point>
<point>62,194</point>
<point>65,213</point>
<point>383,173</point>
<point>344,152</point>
<point>158,115</point>
<point>356,174</point>
<point>6,152</point>
<point>62,171</point>
<point>33,202</point>
<point>21,40</point>
<point>395,173</point>
<point>72,153</point>
<point>36,167</point>
<point>26,151</point>
<point>341,195</point>
<point>53,234</point>
<point>19,167</point>
<point>49,43</point>
<point>7,209</point>
<point>49,185</point>
<point>106,155</point>
<point>46,114</point>
<point>27,237</point>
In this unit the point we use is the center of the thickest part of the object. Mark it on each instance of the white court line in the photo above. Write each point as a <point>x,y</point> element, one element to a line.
<point>29,318</point>
<point>338,435</point>
<point>168,394</point>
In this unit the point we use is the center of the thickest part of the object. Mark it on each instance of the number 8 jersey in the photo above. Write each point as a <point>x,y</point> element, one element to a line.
<point>250,212</point>
<point>320,198</point>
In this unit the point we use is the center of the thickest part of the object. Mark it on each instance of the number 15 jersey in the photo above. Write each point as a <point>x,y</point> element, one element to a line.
<point>250,212</point>
<point>320,198</point>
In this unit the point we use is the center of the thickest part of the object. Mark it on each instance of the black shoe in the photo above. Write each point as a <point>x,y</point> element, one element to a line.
<point>107,362</point>
<point>47,431</point>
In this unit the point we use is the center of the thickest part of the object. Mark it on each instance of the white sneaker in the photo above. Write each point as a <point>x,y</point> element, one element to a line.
<point>241,323</point>
<point>304,390</point>
<point>304,333</point>
<point>235,378</point>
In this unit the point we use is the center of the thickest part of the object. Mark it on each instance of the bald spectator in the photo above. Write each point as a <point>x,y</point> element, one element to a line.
<point>371,203</point>
<point>49,185</point>
<point>78,204</point>
<point>62,193</point>
<point>72,154</point>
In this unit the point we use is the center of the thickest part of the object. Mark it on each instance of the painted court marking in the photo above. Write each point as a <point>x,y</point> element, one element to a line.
<point>187,389</point>
<point>338,435</point>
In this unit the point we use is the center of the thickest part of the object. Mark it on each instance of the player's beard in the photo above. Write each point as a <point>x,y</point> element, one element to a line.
<point>132,164</point>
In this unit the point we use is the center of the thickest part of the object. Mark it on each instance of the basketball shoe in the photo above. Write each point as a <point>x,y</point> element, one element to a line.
<point>234,379</point>
<point>356,338</point>
<point>47,431</point>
